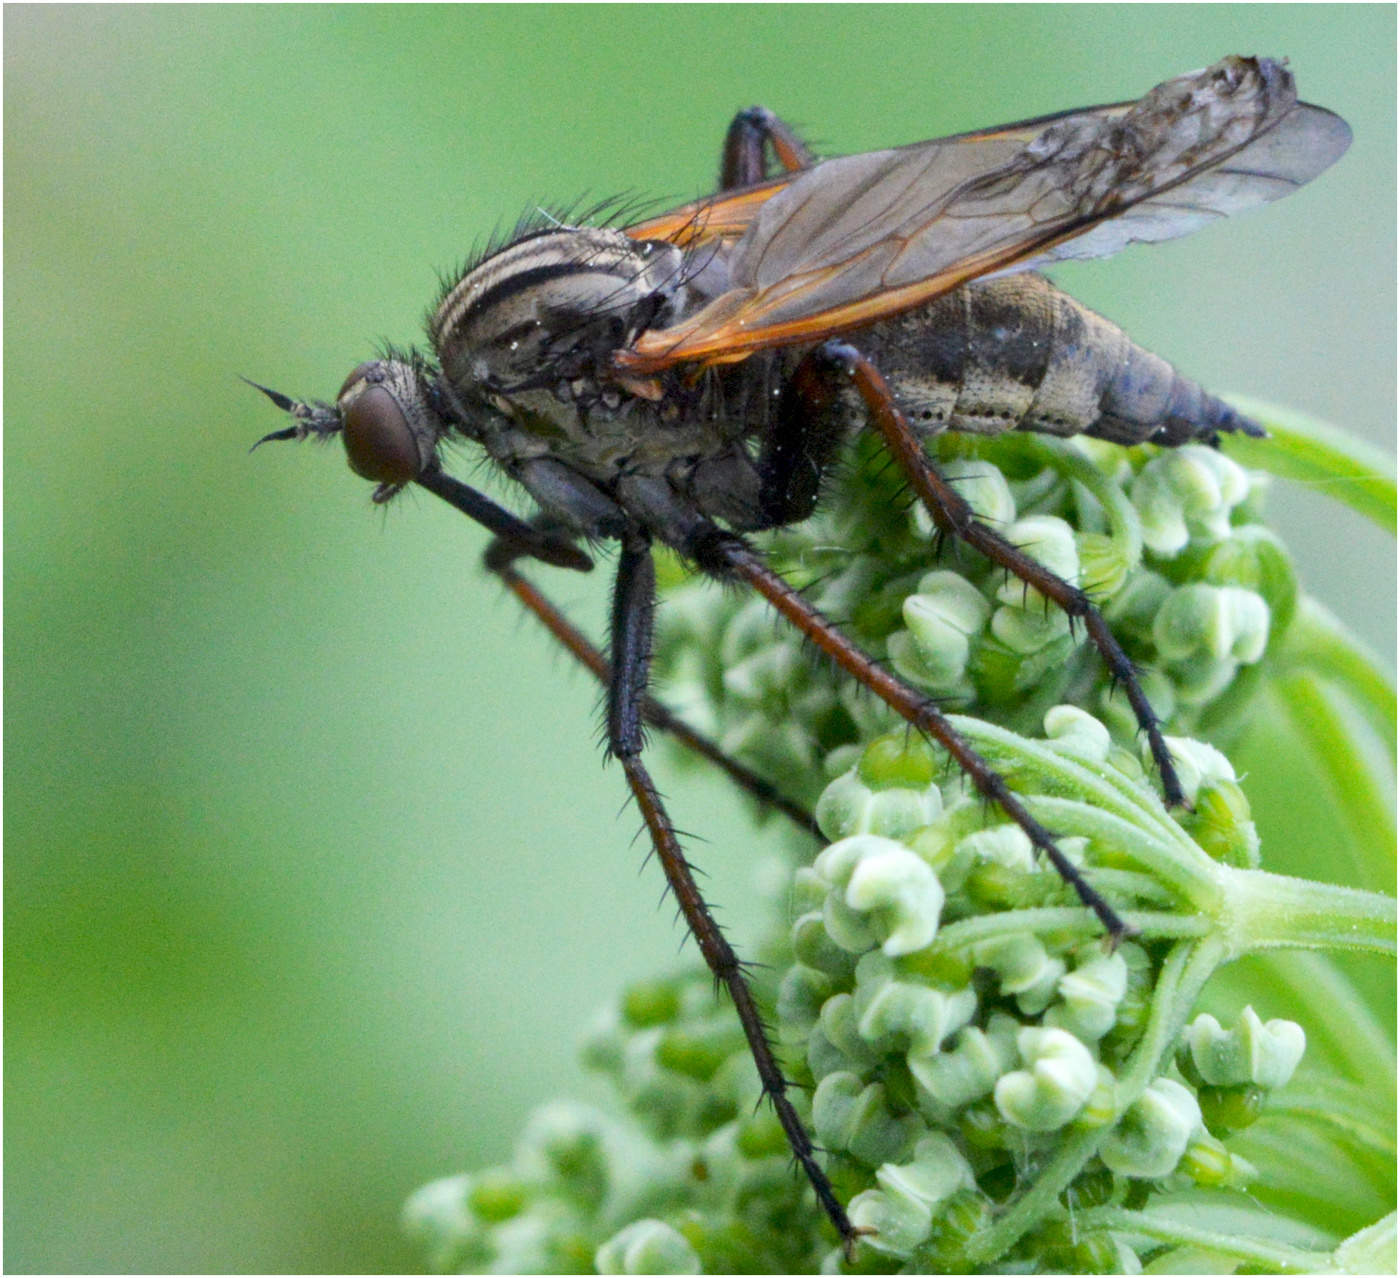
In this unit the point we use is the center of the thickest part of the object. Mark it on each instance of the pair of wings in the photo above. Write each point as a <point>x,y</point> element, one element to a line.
<point>820,251</point>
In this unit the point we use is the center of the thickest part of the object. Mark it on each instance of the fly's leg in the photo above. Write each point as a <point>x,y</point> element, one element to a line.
<point>798,445</point>
<point>744,161</point>
<point>500,559</point>
<point>527,539</point>
<point>842,364</point>
<point>633,603</point>
<point>728,557</point>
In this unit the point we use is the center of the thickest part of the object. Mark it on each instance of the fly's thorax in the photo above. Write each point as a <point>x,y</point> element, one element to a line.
<point>388,423</point>
<point>548,310</point>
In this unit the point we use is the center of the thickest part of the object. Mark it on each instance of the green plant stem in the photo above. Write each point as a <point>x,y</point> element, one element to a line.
<point>1302,448</point>
<point>1267,910</point>
<point>1254,1251</point>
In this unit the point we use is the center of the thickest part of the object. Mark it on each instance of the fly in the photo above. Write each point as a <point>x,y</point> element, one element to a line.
<point>690,379</point>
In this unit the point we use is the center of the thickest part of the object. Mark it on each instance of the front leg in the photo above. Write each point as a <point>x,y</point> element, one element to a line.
<point>500,559</point>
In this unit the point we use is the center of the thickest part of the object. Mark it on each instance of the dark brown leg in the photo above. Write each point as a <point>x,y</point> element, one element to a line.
<point>631,655</point>
<point>728,556</point>
<point>744,161</point>
<point>955,517</point>
<point>500,559</point>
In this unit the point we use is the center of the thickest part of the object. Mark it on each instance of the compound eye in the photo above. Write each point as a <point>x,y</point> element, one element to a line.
<point>379,442</point>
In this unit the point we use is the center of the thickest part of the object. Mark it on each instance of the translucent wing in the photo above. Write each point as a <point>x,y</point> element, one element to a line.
<point>726,216</point>
<point>858,238</point>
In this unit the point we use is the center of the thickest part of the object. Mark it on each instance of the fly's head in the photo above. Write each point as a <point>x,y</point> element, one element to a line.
<point>539,320</point>
<point>385,415</point>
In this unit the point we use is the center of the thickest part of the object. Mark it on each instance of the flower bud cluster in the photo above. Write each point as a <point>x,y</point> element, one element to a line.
<point>948,1011</point>
<point>952,1051</point>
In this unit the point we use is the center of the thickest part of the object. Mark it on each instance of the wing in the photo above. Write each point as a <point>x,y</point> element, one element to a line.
<point>729,214</point>
<point>859,238</point>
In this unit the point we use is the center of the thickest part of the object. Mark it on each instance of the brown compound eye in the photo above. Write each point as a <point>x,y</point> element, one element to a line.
<point>379,443</point>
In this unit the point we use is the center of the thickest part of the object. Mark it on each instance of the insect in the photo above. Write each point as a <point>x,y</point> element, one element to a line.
<point>690,379</point>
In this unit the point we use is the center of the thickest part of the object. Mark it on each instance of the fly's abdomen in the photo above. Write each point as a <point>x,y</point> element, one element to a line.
<point>1017,354</point>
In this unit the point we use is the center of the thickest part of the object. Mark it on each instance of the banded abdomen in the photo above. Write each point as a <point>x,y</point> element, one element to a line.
<point>1017,354</point>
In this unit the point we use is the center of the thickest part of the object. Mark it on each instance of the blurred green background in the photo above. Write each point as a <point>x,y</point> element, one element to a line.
<point>313,871</point>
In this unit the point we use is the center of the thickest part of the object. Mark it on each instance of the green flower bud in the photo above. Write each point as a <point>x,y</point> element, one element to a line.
<point>439,1220</point>
<point>897,1014</point>
<point>785,748</point>
<point>602,1045</point>
<point>1218,623</point>
<point>1049,541</point>
<point>800,997</point>
<point>1005,845</point>
<point>839,1028</point>
<point>1078,734</point>
<point>1026,632</point>
<point>970,1069</point>
<point>813,946</point>
<point>1104,562</point>
<point>1136,606</point>
<point>1058,1077</point>
<point>882,894</point>
<point>850,806</point>
<point>1220,823</point>
<point>959,1219</point>
<point>1231,1109</point>
<point>697,1052</point>
<point>497,1194</point>
<point>564,1141</point>
<point>1209,1164</point>
<point>650,1003</point>
<point>1265,1054</point>
<point>1133,1010</point>
<point>897,761</point>
<point>1089,997</point>
<point>900,1212</point>
<point>943,618</point>
<point>1185,493</point>
<point>1152,1136</point>
<point>1197,765</point>
<point>807,891</point>
<point>647,1247</point>
<point>856,1117</point>
<point>1254,559</point>
<point>536,1244</point>
<point>767,674</point>
<point>1024,969</point>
